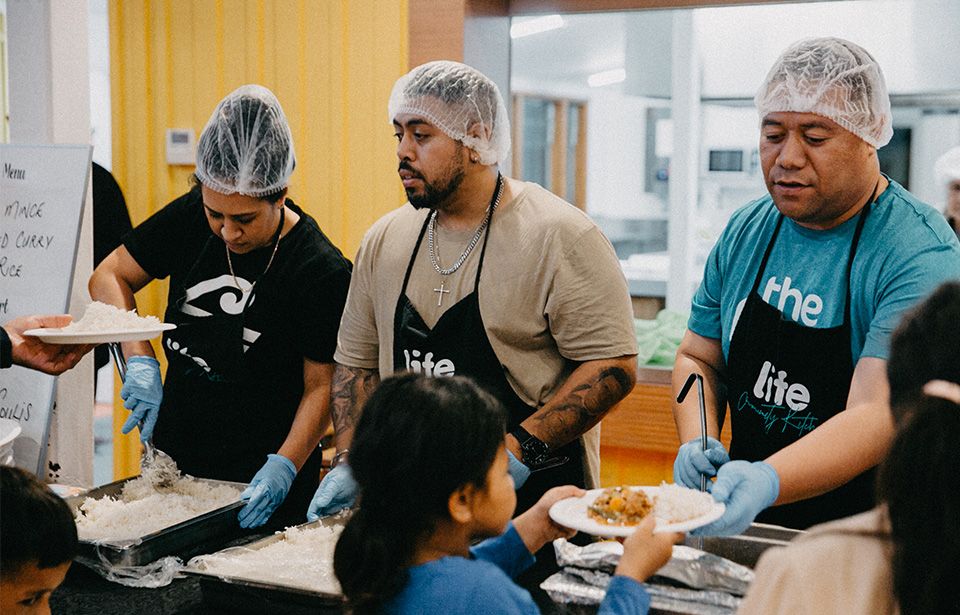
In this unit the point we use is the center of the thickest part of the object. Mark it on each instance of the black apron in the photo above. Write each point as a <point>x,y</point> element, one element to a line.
<point>222,415</point>
<point>786,379</point>
<point>458,345</point>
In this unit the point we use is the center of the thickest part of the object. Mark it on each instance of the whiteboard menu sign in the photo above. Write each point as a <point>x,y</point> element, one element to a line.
<point>42,191</point>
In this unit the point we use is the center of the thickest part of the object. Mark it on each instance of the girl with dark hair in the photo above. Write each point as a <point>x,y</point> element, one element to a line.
<point>39,542</point>
<point>903,555</point>
<point>429,456</point>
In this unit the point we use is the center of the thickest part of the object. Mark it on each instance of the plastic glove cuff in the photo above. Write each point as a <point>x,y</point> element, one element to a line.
<point>711,442</point>
<point>143,359</point>
<point>286,463</point>
<point>774,479</point>
<point>518,470</point>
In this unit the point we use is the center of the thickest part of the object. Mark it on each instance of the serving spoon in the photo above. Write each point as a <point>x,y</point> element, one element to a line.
<point>156,466</point>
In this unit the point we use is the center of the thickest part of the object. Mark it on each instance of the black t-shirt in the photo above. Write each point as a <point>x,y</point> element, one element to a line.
<point>111,221</point>
<point>235,362</point>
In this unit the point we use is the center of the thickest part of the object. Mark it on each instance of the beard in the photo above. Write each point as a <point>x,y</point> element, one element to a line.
<point>436,192</point>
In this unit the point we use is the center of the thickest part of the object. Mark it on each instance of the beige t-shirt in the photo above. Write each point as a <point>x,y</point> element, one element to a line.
<point>551,291</point>
<point>840,567</point>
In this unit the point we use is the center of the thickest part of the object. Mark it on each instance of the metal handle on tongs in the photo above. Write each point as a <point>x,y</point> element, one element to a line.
<point>703,425</point>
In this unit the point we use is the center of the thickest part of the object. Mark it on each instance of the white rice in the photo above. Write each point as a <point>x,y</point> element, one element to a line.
<point>105,317</point>
<point>675,503</point>
<point>303,559</point>
<point>141,509</point>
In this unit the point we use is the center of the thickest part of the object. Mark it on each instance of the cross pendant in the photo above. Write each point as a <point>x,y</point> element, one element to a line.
<point>440,292</point>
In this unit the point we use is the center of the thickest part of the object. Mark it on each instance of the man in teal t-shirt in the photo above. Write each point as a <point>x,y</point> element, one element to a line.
<point>791,323</point>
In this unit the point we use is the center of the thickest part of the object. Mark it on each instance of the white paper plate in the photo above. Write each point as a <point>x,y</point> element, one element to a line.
<point>572,513</point>
<point>59,336</point>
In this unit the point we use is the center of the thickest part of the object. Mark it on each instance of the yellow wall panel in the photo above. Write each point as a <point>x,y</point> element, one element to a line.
<point>331,63</point>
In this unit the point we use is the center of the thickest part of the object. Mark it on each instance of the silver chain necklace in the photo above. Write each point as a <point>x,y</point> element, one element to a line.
<point>276,245</point>
<point>435,259</point>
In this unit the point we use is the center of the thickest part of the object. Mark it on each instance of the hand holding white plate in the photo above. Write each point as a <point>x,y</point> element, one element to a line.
<point>59,336</point>
<point>573,513</point>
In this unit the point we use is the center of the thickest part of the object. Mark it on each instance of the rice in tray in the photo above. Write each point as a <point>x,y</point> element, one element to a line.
<point>144,509</point>
<point>675,503</point>
<point>105,317</point>
<point>302,559</point>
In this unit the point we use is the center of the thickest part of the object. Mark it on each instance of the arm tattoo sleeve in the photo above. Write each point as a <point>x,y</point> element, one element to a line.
<point>350,389</point>
<point>581,408</point>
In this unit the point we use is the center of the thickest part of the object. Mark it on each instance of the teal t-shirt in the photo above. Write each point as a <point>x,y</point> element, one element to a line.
<point>906,250</point>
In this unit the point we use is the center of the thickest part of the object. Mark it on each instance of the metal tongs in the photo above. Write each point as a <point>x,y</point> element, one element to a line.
<point>151,457</point>
<point>703,415</point>
<point>703,424</point>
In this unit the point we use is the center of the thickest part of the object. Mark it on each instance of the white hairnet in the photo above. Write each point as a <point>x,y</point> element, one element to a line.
<point>246,146</point>
<point>947,167</point>
<point>455,97</point>
<point>833,78</point>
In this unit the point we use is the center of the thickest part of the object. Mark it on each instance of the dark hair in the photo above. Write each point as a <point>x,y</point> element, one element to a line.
<point>36,524</point>
<point>273,197</point>
<point>925,346</point>
<point>418,440</point>
<point>917,478</point>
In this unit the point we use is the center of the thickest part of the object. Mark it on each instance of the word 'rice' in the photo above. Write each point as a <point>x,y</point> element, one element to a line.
<point>141,509</point>
<point>303,559</point>
<point>105,317</point>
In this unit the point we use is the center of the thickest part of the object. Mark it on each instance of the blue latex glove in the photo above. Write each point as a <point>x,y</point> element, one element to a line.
<point>142,393</point>
<point>746,489</point>
<point>692,461</point>
<point>519,472</point>
<point>337,491</point>
<point>267,490</point>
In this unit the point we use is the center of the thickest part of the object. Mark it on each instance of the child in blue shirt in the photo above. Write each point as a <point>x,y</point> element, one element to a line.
<point>429,456</point>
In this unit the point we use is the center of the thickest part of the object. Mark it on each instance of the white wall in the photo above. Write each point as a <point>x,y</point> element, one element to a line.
<point>916,42</point>
<point>100,131</point>
<point>49,94</point>
<point>933,134</point>
<point>616,134</point>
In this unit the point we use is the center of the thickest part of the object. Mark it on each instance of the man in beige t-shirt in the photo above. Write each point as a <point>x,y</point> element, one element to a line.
<point>488,277</point>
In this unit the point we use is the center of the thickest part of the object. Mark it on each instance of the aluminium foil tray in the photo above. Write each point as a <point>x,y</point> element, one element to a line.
<point>201,534</point>
<point>243,595</point>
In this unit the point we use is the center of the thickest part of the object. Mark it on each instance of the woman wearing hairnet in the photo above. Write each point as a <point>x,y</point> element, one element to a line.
<point>256,292</point>
<point>792,322</point>
<point>947,169</point>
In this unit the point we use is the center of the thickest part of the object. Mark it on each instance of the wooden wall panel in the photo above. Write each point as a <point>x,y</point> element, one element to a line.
<point>638,438</point>
<point>436,30</point>
<point>644,421</point>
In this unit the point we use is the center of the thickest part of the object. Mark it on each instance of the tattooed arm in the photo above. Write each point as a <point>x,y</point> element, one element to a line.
<point>582,400</point>
<point>350,389</point>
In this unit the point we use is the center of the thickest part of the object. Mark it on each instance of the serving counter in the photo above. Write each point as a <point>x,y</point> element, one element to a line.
<point>86,593</point>
<point>638,444</point>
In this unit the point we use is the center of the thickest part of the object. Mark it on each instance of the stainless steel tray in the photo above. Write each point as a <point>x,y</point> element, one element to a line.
<point>201,534</point>
<point>747,548</point>
<point>235,594</point>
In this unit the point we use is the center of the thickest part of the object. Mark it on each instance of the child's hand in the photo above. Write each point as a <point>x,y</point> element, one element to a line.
<point>645,552</point>
<point>535,526</point>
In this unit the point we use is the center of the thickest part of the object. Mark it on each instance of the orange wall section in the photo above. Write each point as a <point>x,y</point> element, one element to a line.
<point>331,63</point>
